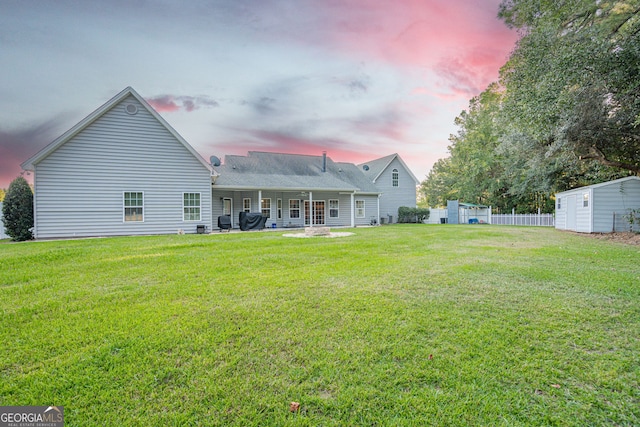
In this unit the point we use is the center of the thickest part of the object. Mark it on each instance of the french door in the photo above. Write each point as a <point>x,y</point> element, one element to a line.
<point>318,212</point>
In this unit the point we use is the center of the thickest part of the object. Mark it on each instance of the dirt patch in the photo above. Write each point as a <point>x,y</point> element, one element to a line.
<point>627,238</point>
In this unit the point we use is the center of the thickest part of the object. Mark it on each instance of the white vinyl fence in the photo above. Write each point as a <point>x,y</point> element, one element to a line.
<point>440,216</point>
<point>541,220</point>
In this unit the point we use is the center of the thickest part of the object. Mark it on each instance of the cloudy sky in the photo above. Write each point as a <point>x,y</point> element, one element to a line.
<point>360,79</point>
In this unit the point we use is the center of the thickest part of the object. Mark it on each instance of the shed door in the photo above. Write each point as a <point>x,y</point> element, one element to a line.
<point>571,213</point>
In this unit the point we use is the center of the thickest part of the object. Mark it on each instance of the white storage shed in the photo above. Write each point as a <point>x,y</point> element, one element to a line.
<point>595,208</point>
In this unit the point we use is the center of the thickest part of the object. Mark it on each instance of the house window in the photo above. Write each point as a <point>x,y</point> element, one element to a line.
<point>359,208</point>
<point>227,207</point>
<point>279,207</point>
<point>294,208</point>
<point>334,208</point>
<point>191,207</point>
<point>133,206</point>
<point>265,206</point>
<point>394,178</point>
<point>559,203</point>
<point>585,200</point>
<point>246,205</point>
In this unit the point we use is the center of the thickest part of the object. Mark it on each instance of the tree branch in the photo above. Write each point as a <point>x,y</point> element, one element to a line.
<point>597,155</point>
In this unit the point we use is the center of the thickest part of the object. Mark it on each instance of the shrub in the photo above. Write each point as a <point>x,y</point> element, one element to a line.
<point>412,215</point>
<point>17,210</point>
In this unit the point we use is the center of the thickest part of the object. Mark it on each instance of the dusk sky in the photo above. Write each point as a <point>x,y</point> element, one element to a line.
<point>359,79</point>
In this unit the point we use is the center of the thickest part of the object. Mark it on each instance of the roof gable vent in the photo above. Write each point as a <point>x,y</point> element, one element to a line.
<point>131,109</point>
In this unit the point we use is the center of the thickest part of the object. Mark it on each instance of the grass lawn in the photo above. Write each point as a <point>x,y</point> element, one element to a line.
<point>394,326</point>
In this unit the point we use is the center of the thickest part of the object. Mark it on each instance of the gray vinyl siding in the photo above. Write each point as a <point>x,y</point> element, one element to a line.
<point>80,186</point>
<point>612,198</point>
<point>583,214</point>
<point>561,214</point>
<point>3,231</point>
<point>344,200</point>
<point>604,200</point>
<point>394,197</point>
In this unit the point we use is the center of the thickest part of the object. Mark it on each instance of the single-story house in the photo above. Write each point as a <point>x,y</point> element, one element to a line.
<point>593,209</point>
<point>123,170</point>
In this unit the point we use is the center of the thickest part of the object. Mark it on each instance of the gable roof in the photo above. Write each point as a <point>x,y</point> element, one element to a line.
<point>87,121</point>
<point>377,166</point>
<point>602,184</point>
<point>290,172</point>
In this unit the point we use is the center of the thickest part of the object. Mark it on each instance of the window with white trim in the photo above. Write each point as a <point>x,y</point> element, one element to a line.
<point>359,208</point>
<point>559,203</point>
<point>191,207</point>
<point>294,208</point>
<point>585,200</point>
<point>133,205</point>
<point>246,204</point>
<point>395,177</point>
<point>265,206</point>
<point>334,208</point>
<point>279,208</point>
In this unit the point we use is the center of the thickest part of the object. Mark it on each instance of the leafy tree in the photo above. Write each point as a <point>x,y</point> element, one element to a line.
<point>571,84</point>
<point>17,210</point>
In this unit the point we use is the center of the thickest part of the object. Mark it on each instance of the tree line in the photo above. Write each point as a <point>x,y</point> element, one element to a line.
<point>564,113</point>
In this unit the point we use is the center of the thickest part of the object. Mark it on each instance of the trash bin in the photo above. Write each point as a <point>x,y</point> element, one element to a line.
<point>443,220</point>
<point>390,219</point>
<point>273,225</point>
<point>382,220</point>
<point>200,229</point>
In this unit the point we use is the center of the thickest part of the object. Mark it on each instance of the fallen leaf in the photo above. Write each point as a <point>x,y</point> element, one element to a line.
<point>555,385</point>
<point>294,406</point>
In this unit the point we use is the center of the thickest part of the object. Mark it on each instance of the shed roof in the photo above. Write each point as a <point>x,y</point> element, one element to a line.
<point>602,184</point>
<point>292,172</point>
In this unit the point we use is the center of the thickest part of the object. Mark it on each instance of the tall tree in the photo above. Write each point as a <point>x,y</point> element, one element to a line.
<point>573,81</point>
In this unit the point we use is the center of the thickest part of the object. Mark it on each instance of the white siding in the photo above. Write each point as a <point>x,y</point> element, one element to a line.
<point>617,197</point>
<point>604,200</point>
<point>394,197</point>
<point>79,187</point>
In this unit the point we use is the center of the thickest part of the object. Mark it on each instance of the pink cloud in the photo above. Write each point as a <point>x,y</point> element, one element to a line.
<point>281,142</point>
<point>437,35</point>
<point>172,103</point>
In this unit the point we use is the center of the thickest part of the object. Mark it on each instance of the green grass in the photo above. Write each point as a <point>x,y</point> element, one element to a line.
<point>393,326</point>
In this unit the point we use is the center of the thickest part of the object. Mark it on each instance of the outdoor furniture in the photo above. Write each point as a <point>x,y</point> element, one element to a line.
<point>224,223</point>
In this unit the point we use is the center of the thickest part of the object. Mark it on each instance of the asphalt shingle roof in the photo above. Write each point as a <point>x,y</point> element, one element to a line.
<point>277,171</point>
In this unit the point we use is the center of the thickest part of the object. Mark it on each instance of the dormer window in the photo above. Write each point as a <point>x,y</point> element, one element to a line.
<point>394,178</point>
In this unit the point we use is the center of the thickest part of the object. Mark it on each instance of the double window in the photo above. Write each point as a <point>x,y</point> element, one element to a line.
<point>359,208</point>
<point>265,205</point>
<point>133,206</point>
<point>559,203</point>
<point>294,208</point>
<point>191,207</point>
<point>334,208</point>
<point>585,200</point>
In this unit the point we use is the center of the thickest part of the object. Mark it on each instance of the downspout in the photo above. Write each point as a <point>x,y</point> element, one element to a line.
<point>310,208</point>
<point>260,200</point>
<point>379,208</point>
<point>353,210</point>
